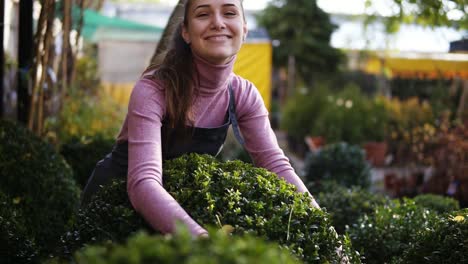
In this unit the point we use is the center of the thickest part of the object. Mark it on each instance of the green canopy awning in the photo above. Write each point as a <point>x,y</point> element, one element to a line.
<point>93,23</point>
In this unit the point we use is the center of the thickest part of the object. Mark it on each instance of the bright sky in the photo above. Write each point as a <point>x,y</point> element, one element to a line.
<point>335,6</point>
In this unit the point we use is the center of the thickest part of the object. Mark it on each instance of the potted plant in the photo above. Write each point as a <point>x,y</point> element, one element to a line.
<point>374,129</point>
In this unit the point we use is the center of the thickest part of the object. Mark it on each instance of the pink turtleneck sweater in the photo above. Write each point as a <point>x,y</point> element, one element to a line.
<point>142,130</point>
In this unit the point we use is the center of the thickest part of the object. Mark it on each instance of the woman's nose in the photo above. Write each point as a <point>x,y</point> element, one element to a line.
<point>217,22</point>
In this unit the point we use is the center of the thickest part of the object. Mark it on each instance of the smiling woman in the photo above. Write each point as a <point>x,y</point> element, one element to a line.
<point>185,104</point>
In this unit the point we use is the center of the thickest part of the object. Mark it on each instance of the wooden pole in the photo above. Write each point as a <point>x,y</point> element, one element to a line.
<point>2,57</point>
<point>25,57</point>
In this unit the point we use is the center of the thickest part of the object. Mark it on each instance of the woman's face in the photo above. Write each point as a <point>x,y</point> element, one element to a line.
<point>215,29</point>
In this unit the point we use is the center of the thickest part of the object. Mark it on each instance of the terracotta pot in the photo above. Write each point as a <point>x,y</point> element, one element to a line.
<point>375,152</point>
<point>314,143</point>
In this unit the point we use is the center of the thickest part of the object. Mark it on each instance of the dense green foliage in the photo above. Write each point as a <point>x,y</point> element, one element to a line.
<point>39,180</point>
<point>304,31</point>
<point>108,217</point>
<point>82,154</point>
<point>438,203</point>
<point>346,205</point>
<point>352,117</point>
<point>250,199</point>
<point>182,248</point>
<point>343,163</point>
<point>444,242</point>
<point>16,246</point>
<point>384,235</point>
<point>301,111</point>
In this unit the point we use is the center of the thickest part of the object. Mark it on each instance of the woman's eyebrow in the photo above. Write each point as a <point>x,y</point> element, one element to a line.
<point>207,6</point>
<point>201,6</point>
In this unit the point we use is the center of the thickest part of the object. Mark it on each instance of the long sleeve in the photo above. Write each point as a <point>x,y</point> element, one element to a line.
<point>260,140</point>
<point>145,183</point>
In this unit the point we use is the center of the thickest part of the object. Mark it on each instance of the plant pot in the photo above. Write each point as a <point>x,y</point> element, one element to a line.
<point>314,143</point>
<point>375,152</point>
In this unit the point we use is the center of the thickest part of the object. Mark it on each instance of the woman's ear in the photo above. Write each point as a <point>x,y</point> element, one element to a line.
<point>185,34</point>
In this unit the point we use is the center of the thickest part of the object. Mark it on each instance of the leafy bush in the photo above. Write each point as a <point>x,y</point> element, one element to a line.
<point>182,248</point>
<point>351,117</point>
<point>302,110</point>
<point>85,115</point>
<point>340,162</point>
<point>39,180</point>
<point>83,153</point>
<point>250,199</point>
<point>385,234</point>
<point>16,246</point>
<point>346,205</point>
<point>438,203</point>
<point>444,242</point>
<point>410,124</point>
<point>108,217</point>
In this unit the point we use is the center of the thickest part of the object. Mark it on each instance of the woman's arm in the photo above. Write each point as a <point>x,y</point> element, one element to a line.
<point>260,140</point>
<point>145,184</point>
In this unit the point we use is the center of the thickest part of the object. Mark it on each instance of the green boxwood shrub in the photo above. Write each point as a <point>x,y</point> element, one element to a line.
<point>108,217</point>
<point>250,199</point>
<point>340,162</point>
<point>383,236</point>
<point>438,203</point>
<point>444,242</point>
<point>182,248</point>
<point>16,245</point>
<point>346,205</point>
<point>82,154</point>
<point>39,180</point>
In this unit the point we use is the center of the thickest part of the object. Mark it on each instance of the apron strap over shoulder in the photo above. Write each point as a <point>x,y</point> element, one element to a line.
<point>232,116</point>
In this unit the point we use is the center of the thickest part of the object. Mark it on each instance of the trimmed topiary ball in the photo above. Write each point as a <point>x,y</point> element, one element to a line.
<point>444,242</point>
<point>182,248</point>
<point>16,246</point>
<point>383,236</point>
<point>251,200</point>
<point>108,217</point>
<point>82,154</point>
<point>346,205</point>
<point>40,181</point>
<point>340,162</point>
<point>437,203</point>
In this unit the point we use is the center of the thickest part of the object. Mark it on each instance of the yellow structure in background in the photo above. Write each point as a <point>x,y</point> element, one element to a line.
<point>419,65</point>
<point>254,63</point>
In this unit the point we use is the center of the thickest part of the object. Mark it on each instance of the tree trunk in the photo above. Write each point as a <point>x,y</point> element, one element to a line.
<point>2,59</point>
<point>175,19</point>
<point>25,58</point>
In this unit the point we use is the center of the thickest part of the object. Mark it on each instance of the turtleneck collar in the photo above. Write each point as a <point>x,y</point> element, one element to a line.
<point>211,77</point>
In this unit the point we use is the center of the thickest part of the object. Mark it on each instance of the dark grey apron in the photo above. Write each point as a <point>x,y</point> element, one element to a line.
<point>201,140</point>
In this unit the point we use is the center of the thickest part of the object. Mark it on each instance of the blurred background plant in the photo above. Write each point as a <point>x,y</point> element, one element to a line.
<point>87,110</point>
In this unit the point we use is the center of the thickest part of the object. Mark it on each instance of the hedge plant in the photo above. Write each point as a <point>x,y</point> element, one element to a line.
<point>346,205</point>
<point>182,248</point>
<point>83,153</point>
<point>340,162</point>
<point>444,242</point>
<point>39,180</point>
<point>383,236</point>
<point>438,203</point>
<point>250,199</point>
<point>16,245</point>
<point>108,217</point>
